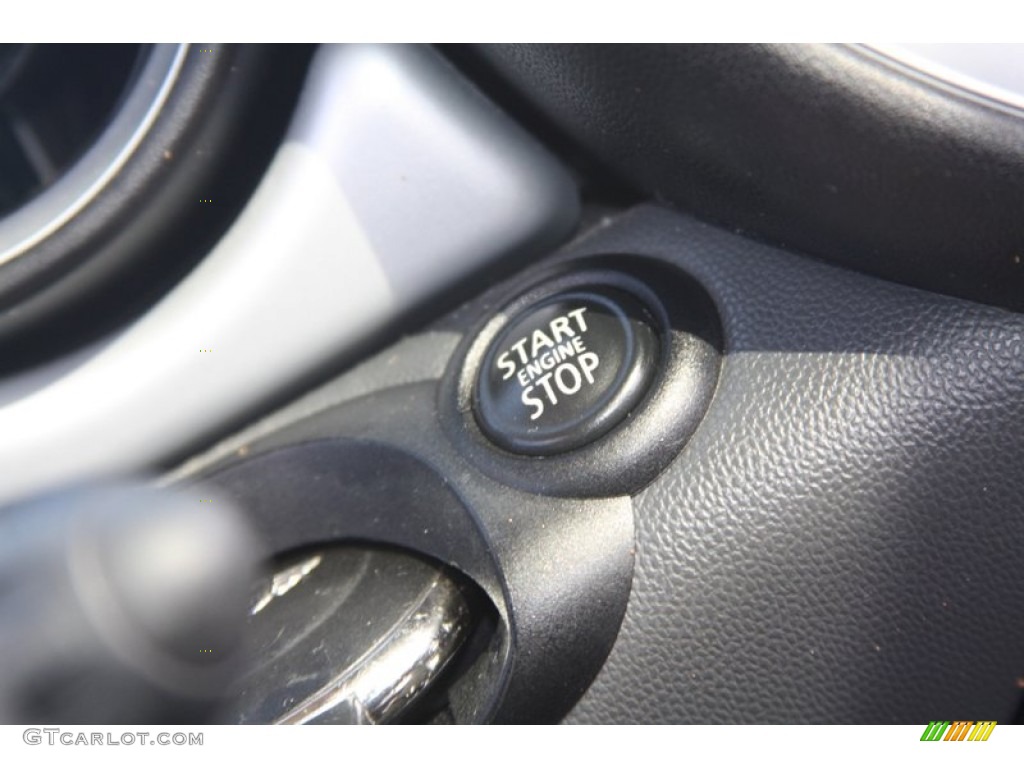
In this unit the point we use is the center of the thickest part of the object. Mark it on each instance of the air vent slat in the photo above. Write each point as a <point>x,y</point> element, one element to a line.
<point>37,156</point>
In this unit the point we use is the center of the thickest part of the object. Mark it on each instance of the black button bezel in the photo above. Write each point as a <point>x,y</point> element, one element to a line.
<point>639,353</point>
<point>634,451</point>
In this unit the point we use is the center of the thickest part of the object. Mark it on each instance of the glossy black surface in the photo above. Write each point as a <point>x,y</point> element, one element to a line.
<point>565,371</point>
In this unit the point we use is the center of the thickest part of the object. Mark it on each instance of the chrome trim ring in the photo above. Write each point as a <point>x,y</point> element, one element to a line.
<point>39,218</point>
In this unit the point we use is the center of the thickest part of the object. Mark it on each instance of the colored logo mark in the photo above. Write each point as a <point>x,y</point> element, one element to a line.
<point>958,730</point>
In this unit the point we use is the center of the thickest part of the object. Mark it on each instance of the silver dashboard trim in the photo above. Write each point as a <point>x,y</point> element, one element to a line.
<point>319,260</point>
<point>990,72</point>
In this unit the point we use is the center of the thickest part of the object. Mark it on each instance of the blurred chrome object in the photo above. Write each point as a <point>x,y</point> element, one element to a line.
<point>351,635</point>
<point>120,604</point>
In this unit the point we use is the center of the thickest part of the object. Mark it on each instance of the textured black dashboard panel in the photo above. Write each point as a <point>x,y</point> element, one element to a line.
<point>824,149</point>
<point>841,540</point>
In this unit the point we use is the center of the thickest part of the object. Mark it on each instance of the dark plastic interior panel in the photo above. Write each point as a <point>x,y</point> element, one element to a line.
<point>830,150</point>
<point>839,540</point>
<point>378,469</point>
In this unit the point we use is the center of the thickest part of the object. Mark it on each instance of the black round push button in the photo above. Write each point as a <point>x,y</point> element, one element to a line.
<point>565,371</point>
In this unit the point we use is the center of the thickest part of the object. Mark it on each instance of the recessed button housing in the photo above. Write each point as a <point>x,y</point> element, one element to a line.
<point>566,370</point>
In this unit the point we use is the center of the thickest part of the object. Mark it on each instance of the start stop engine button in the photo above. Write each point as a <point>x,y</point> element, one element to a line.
<point>565,371</point>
